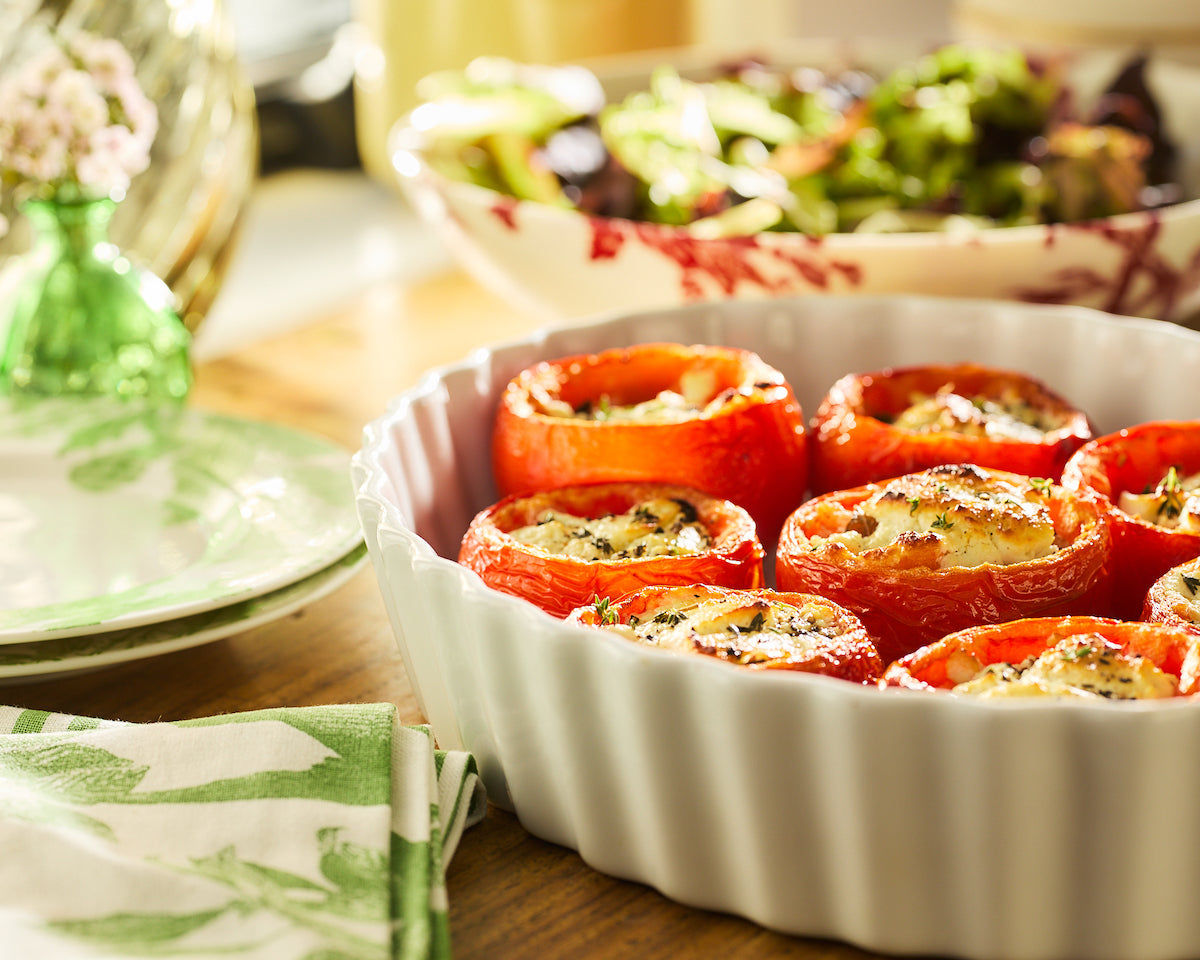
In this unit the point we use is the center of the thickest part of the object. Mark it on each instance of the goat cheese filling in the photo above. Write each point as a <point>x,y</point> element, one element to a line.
<point>1008,418</point>
<point>1084,665</point>
<point>1184,584</point>
<point>1174,502</point>
<point>651,528</point>
<point>696,395</point>
<point>953,515</point>
<point>745,631</point>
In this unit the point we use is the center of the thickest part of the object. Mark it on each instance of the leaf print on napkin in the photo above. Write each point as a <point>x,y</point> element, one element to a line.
<point>300,899</point>
<point>41,783</point>
<point>131,931</point>
<point>192,763</point>
<point>327,912</point>
<point>359,874</point>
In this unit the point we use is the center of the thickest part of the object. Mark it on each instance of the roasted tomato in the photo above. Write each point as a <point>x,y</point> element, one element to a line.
<point>1174,597</point>
<point>714,418</point>
<point>757,629</point>
<point>560,549</point>
<point>872,426</point>
<point>1149,479</point>
<point>1057,656</point>
<point>927,553</point>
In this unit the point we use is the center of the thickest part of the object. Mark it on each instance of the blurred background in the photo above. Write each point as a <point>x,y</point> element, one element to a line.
<point>275,189</point>
<point>333,75</point>
<point>330,77</point>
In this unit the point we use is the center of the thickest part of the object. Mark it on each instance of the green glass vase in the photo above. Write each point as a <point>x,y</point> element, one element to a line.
<point>83,320</point>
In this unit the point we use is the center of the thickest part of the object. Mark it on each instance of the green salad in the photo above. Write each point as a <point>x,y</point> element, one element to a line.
<point>963,137</point>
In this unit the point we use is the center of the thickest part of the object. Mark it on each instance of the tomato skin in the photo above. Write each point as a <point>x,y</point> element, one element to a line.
<point>905,607</point>
<point>851,655</point>
<point>1129,460</point>
<point>752,450</point>
<point>1170,648</point>
<point>851,442</point>
<point>1164,604</point>
<point>558,584</point>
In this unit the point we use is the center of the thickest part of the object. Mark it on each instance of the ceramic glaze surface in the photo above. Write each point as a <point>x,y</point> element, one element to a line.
<point>116,515</point>
<point>43,658</point>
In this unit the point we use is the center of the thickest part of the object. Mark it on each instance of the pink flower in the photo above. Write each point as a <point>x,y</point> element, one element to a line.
<point>74,96</point>
<point>41,69</point>
<point>113,158</point>
<point>104,58</point>
<point>73,116</point>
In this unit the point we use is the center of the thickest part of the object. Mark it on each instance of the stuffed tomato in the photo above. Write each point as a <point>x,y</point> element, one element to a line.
<point>927,553</point>
<point>1174,598</point>
<point>872,426</point>
<point>757,629</point>
<point>1077,657</point>
<point>715,418</point>
<point>562,548</point>
<point>1148,477</point>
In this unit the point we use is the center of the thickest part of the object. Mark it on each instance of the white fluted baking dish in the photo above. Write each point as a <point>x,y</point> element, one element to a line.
<point>898,821</point>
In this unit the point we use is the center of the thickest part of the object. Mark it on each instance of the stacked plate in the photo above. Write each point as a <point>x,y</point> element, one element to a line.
<point>126,533</point>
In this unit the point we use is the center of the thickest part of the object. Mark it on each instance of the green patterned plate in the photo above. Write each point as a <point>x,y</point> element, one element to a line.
<point>113,517</point>
<point>69,654</point>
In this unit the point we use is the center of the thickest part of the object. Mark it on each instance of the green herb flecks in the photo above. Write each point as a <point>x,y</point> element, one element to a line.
<point>604,610</point>
<point>1170,490</point>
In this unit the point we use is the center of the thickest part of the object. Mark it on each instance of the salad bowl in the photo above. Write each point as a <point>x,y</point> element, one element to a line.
<point>894,820</point>
<point>562,261</point>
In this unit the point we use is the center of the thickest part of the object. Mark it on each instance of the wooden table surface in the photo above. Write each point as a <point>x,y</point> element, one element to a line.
<point>511,895</point>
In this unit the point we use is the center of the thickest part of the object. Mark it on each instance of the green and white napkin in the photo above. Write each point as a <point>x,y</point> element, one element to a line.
<point>313,833</point>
